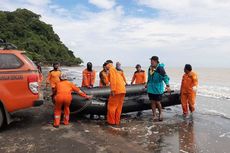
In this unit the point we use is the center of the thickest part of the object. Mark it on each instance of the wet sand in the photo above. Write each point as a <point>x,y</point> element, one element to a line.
<point>32,131</point>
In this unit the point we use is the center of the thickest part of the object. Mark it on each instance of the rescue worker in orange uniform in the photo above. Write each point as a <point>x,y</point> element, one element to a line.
<point>88,76</point>
<point>120,71</point>
<point>139,77</point>
<point>188,90</point>
<point>53,77</point>
<point>63,97</point>
<point>116,98</point>
<point>104,80</point>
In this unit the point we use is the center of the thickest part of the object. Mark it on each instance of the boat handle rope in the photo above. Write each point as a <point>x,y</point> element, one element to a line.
<point>88,102</point>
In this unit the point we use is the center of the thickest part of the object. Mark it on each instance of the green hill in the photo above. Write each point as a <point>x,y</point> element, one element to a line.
<point>24,29</point>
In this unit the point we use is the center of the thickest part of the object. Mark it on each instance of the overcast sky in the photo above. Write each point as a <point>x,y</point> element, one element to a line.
<point>131,31</point>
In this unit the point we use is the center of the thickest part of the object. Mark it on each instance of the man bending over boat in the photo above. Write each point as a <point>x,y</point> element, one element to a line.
<point>63,97</point>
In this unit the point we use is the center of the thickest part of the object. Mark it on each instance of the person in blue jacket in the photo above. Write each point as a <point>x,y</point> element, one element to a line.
<point>155,86</point>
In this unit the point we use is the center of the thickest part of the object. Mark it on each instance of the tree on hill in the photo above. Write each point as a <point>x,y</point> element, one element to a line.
<point>24,29</point>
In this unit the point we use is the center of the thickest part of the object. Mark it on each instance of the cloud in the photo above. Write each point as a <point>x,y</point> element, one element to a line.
<point>104,4</point>
<point>191,31</point>
<point>36,2</point>
<point>190,11</point>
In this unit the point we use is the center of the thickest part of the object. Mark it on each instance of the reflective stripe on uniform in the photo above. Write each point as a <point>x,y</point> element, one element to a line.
<point>67,117</point>
<point>57,116</point>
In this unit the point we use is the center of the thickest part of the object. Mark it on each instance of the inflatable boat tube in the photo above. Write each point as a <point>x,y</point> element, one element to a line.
<point>136,100</point>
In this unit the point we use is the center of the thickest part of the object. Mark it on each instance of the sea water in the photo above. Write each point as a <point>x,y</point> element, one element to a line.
<point>213,82</point>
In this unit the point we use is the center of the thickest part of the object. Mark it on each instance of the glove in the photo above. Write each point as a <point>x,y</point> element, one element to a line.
<point>89,97</point>
<point>194,88</point>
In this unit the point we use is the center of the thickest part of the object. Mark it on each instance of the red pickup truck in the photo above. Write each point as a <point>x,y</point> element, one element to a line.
<point>19,83</point>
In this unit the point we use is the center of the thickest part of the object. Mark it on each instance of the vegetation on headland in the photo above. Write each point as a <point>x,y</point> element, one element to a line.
<point>25,29</point>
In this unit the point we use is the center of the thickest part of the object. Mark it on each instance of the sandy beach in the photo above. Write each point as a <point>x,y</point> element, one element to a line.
<point>32,131</point>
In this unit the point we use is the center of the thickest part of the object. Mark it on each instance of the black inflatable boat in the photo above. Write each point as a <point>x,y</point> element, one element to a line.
<point>136,100</point>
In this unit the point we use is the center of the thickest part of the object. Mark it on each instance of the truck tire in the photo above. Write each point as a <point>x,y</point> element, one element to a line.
<point>1,118</point>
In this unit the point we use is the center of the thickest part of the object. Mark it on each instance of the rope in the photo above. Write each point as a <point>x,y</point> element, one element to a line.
<point>89,102</point>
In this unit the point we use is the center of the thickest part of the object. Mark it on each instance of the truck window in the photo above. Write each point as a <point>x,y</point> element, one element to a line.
<point>29,60</point>
<point>10,61</point>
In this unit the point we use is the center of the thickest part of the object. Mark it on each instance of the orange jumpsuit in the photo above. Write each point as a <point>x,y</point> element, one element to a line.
<point>121,72</point>
<point>53,78</point>
<point>139,77</point>
<point>88,78</point>
<point>188,96</point>
<point>64,97</point>
<point>115,101</point>
<point>104,80</point>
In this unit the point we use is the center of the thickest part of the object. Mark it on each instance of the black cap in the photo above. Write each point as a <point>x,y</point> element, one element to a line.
<point>155,58</point>
<point>188,67</point>
<point>138,65</point>
<point>109,61</point>
<point>55,63</point>
<point>89,66</point>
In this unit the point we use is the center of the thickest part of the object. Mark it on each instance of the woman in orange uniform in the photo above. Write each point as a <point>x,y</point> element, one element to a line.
<point>139,77</point>
<point>63,98</point>
<point>120,71</point>
<point>88,76</point>
<point>117,95</point>
<point>188,90</point>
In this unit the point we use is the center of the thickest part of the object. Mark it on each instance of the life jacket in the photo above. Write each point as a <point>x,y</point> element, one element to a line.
<point>53,77</point>
<point>139,77</point>
<point>88,78</point>
<point>188,82</point>
<point>66,88</point>
<point>117,84</point>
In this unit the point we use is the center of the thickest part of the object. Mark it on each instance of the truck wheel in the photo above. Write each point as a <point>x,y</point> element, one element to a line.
<point>1,118</point>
